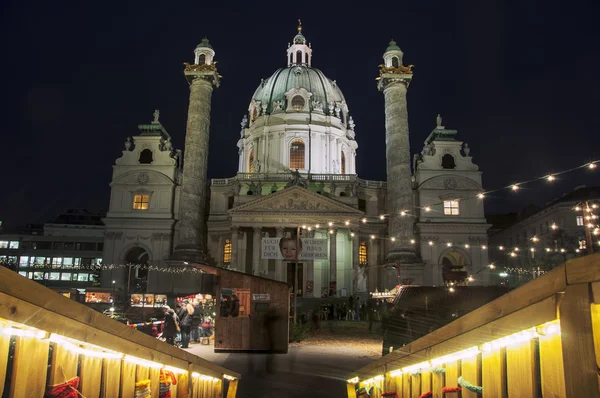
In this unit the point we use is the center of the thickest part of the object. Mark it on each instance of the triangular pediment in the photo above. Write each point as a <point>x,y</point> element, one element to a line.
<point>295,199</point>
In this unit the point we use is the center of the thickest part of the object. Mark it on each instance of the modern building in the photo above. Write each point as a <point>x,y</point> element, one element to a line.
<point>297,147</point>
<point>61,256</point>
<point>539,235</point>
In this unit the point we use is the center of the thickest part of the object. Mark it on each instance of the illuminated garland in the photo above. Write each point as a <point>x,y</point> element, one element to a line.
<point>426,394</point>
<point>439,371</point>
<point>451,389</point>
<point>465,384</point>
<point>169,270</point>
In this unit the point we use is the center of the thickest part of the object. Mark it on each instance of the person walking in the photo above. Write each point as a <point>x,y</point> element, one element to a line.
<point>171,327</point>
<point>187,312</point>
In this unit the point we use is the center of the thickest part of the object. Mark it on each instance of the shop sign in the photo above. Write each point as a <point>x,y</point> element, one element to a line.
<point>261,297</point>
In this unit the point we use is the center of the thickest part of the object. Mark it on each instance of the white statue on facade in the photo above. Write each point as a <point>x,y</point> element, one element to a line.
<point>128,144</point>
<point>361,280</point>
<point>317,106</point>
<point>331,108</point>
<point>168,145</point>
<point>264,109</point>
<point>438,120</point>
<point>244,122</point>
<point>466,149</point>
<point>336,167</point>
<point>156,115</point>
<point>278,105</point>
<point>257,166</point>
<point>351,123</point>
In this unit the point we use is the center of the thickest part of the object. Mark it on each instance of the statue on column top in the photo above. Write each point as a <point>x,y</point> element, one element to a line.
<point>244,122</point>
<point>438,120</point>
<point>466,149</point>
<point>156,115</point>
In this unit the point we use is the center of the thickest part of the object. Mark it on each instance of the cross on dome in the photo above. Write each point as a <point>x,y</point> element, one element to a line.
<point>299,53</point>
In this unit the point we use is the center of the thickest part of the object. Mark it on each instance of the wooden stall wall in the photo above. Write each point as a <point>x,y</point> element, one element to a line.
<point>541,340</point>
<point>266,321</point>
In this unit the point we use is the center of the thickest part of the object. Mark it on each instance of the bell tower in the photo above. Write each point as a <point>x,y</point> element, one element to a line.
<point>393,81</point>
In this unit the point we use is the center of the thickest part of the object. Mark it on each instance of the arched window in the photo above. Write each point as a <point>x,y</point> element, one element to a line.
<point>448,162</point>
<point>343,165</point>
<point>227,252</point>
<point>140,201</point>
<point>395,62</point>
<point>297,155</point>
<point>298,103</point>
<point>251,161</point>
<point>145,156</point>
<point>306,58</point>
<point>291,58</point>
<point>201,59</point>
<point>362,253</point>
<point>299,57</point>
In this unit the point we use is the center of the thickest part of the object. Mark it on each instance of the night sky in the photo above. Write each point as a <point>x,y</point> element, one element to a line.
<point>518,79</point>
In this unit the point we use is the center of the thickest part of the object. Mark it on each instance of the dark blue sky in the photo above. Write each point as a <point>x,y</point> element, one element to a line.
<point>519,80</point>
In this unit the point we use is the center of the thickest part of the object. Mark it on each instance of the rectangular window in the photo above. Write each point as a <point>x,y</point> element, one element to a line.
<point>43,245</point>
<point>68,262</point>
<point>12,259</point>
<point>140,202</point>
<point>65,276</point>
<point>38,276</point>
<point>69,245</point>
<point>227,252</point>
<point>451,208</point>
<point>362,253</point>
<point>54,276</point>
<point>14,244</point>
<point>87,246</point>
<point>82,278</point>
<point>30,275</point>
<point>3,244</point>
<point>58,246</point>
<point>57,262</point>
<point>75,277</point>
<point>40,262</point>
<point>580,221</point>
<point>22,273</point>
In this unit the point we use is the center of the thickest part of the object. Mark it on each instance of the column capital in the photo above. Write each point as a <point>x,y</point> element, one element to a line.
<point>279,231</point>
<point>257,229</point>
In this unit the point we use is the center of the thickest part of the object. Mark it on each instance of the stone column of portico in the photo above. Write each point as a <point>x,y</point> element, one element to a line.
<point>256,247</point>
<point>333,257</point>
<point>355,259</point>
<point>190,247</point>
<point>279,263</point>
<point>394,81</point>
<point>310,271</point>
<point>234,247</point>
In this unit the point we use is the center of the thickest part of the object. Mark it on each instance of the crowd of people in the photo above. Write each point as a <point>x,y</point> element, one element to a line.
<point>188,320</point>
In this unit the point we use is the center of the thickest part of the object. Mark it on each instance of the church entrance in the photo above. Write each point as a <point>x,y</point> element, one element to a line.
<point>136,278</point>
<point>453,267</point>
<point>290,277</point>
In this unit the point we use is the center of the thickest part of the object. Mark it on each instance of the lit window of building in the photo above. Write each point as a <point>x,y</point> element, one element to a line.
<point>227,252</point>
<point>362,253</point>
<point>451,208</point>
<point>140,202</point>
<point>14,244</point>
<point>580,221</point>
<point>297,155</point>
<point>3,244</point>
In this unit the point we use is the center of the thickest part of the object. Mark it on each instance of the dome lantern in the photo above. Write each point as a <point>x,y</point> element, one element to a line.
<point>393,55</point>
<point>299,53</point>
<point>204,53</point>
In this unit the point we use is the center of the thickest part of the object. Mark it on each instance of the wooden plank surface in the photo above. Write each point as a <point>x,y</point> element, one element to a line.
<point>493,378</point>
<point>111,377</point>
<point>91,376</point>
<point>21,297</point>
<point>127,379</point>
<point>581,371</point>
<point>552,372</point>
<point>182,386</point>
<point>155,382</point>
<point>4,348</point>
<point>521,370</point>
<point>438,381</point>
<point>233,384</point>
<point>406,386</point>
<point>141,373</point>
<point>539,289</point>
<point>30,367</point>
<point>470,372</point>
<point>64,365</point>
<point>415,386</point>
<point>595,313</point>
<point>425,382</point>
<point>583,269</point>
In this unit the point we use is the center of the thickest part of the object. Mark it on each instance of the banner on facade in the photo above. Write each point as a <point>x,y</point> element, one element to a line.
<point>285,249</point>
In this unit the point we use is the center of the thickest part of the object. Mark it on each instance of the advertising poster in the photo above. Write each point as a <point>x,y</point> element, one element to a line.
<point>285,249</point>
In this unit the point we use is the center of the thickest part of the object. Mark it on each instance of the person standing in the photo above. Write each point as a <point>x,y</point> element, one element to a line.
<point>196,322</point>
<point>235,306</point>
<point>186,323</point>
<point>171,326</point>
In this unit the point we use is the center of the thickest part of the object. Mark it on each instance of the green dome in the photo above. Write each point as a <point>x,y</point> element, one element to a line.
<point>392,46</point>
<point>299,39</point>
<point>204,43</point>
<point>284,79</point>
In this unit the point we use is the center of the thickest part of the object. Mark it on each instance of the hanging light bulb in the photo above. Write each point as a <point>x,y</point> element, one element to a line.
<point>535,239</point>
<point>382,217</point>
<point>393,239</point>
<point>550,178</point>
<point>562,250</point>
<point>548,249</point>
<point>430,243</point>
<point>449,244</point>
<point>501,248</point>
<point>492,266</point>
<point>513,254</point>
<point>481,195</point>
<point>372,236</point>
<point>483,247</point>
<point>402,213</point>
<point>577,208</point>
<point>331,231</point>
<point>347,222</point>
<point>412,241</point>
<point>517,249</point>
<point>514,187</point>
<point>364,220</point>
<point>451,290</point>
<point>592,166</point>
<point>330,223</point>
<point>554,226</point>
<point>427,208</point>
<point>352,234</point>
<point>467,246</point>
<point>317,226</point>
<point>470,279</point>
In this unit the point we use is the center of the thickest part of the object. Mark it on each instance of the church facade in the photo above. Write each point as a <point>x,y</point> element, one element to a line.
<point>297,179</point>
